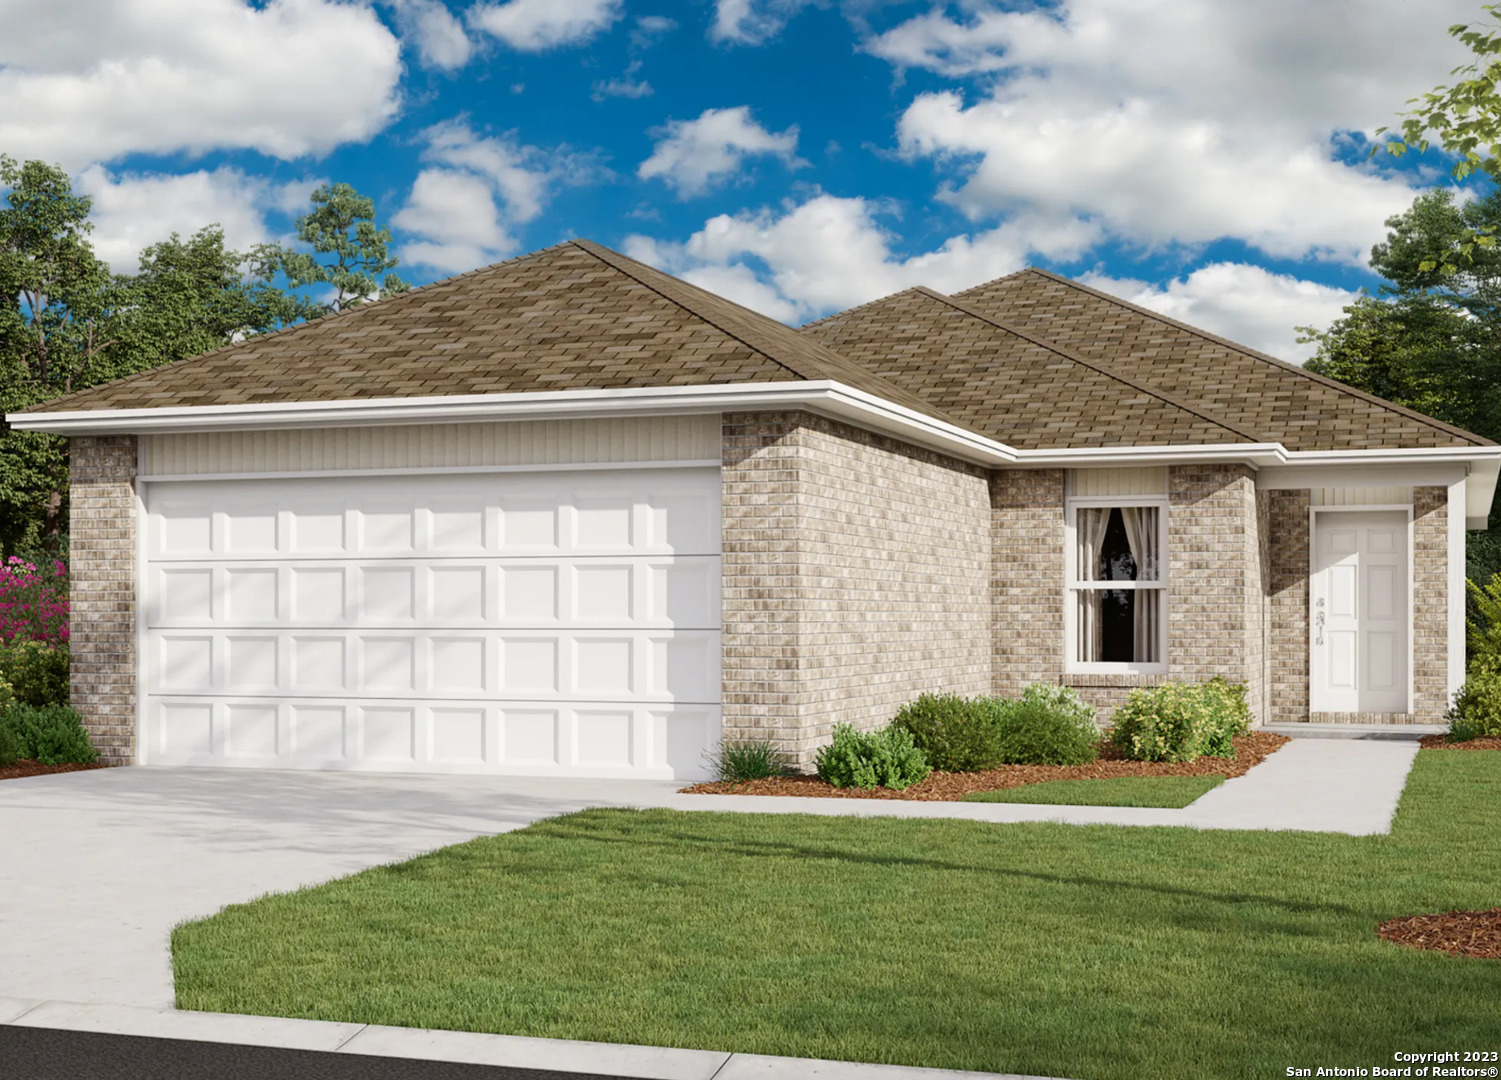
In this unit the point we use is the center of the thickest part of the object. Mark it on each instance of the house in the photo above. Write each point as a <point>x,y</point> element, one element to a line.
<point>569,515</point>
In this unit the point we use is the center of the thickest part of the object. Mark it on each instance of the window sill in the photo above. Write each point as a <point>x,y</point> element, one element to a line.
<point>1115,678</point>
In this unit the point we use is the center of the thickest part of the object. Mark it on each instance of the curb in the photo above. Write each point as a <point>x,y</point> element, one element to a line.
<point>522,1054</point>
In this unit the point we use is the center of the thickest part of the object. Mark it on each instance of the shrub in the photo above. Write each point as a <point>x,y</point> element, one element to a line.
<point>33,601</point>
<point>10,746</point>
<point>955,734</point>
<point>750,759</point>
<point>1231,715</point>
<point>37,671</point>
<point>1050,725</point>
<point>1174,722</point>
<point>52,735</point>
<point>1476,712</point>
<point>867,759</point>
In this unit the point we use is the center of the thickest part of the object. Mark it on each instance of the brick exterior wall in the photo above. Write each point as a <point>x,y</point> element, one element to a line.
<point>1430,609</point>
<point>855,578</point>
<point>1288,583</point>
<point>1027,589</point>
<point>101,591</point>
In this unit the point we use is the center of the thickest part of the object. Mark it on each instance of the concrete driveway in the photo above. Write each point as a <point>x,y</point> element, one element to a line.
<point>97,867</point>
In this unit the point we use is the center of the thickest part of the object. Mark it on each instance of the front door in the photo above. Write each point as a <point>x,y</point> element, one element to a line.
<point>1359,603</point>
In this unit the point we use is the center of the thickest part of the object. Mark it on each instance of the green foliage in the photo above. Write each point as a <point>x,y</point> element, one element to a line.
<point>36,671</point>
<point>750,759</point>
<point>10,746</point>
<point>868,759</point>
<point>1046,728</point>
<point>1180,721</point>
<point>1485,620</point>
<point>1476,711</point>
<point>50,734</point>
<point>67,323</point>
<point>341,224</point>
<point>955,734</point>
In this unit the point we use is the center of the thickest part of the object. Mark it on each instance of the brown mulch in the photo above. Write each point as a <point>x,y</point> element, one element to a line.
<point>1461,933</point>
<point>26,767</point>
<point>1441,742</point>
<point>949,787</point>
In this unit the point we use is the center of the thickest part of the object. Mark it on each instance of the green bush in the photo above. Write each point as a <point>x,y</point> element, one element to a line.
<point>10,746</point>
<point>1178,721</point>
<point>51,734</point>
<point>750,759</point>
<point>38,672</point>
<point>1050,725</point>
<point>867,759</point>
<point>955,734</point>
<point>1231,715</point>
<point>1476,712</point>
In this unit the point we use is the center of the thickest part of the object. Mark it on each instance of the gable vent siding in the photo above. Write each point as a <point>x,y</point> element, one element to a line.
<point>435,446</point>
<point>1147,480</point>
<point>1360,496</point>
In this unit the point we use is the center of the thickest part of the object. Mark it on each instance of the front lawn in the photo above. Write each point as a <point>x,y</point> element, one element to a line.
<point>1163,791</point>
<point>1088,952</point>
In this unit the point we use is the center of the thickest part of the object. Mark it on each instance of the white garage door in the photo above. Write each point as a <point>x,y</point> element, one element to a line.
<point>560,623</point>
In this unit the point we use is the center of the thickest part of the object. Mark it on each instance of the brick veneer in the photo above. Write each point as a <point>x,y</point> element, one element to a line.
<point>1027,589</point>
<point>1288,585</point>
<point>101,591</point>
<point>1430,609</point>
<point>855,577</point>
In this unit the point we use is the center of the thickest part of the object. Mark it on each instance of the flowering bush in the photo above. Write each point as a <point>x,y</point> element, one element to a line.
<point>33,602</point>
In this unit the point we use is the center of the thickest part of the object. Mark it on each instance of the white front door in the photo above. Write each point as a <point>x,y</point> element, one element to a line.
<point>1360,596</point>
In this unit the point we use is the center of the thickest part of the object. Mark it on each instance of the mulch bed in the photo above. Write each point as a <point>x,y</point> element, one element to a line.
<point>27,767</point>
<point>949,787</point>
<point>1460,933</point>
<point>1441,742</point>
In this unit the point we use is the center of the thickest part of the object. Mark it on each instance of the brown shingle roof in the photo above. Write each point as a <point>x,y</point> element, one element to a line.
<point>575,316</point>
<point>1011,385</point>
<point>1297,408</point>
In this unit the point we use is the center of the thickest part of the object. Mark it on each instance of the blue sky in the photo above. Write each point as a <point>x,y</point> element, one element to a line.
<point>1202,157</point>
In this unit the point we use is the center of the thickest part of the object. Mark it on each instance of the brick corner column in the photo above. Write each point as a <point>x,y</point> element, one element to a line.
<point>761,695</point>
<point>102,591</point>
<point>1027,582</point>
<point>1430,604</point>
<point>1289,568</point>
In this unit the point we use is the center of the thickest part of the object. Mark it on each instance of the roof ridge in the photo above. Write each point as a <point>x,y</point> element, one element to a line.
<point>1095,365</point>
<point>748,334</point>
<point>857,307</point>
<point>1266,358</point>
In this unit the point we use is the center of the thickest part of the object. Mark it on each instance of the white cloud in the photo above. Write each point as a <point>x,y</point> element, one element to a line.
<point>439,36</point>
<point>132,211</point>
<point>1245,303</point>
<point>752,22</point>
<point>1175,121</point>
<point>463,208</point>
<point>534,25</point>
<point>650,29</point>
<point>691,155</point>
<point>92,80</point>
<point>831,253</point>
<point>624,87</point>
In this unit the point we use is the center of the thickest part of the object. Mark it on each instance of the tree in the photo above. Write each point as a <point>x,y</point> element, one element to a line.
<point>342,224</point>
<point>1430,338</point>
<point>68,323</point>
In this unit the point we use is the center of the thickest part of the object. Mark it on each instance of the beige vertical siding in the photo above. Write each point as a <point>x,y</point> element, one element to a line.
<point>1147,480</point>
<point>435,446</point>
<point>1360,496</point>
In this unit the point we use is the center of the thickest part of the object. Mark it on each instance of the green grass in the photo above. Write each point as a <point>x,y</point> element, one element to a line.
<point>1173,791</point>
<point>1096,953</point>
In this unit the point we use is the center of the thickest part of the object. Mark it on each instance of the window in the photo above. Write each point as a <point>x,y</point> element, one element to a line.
<point>1117,584</point>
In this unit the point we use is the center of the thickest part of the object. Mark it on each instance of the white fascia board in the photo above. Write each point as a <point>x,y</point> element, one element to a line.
<point>826,397</point>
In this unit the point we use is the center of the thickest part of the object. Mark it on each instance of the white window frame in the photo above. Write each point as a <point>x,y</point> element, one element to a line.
<point>1071,584</point>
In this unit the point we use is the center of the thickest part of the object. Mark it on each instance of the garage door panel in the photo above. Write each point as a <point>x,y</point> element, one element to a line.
<point>527,623</point>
